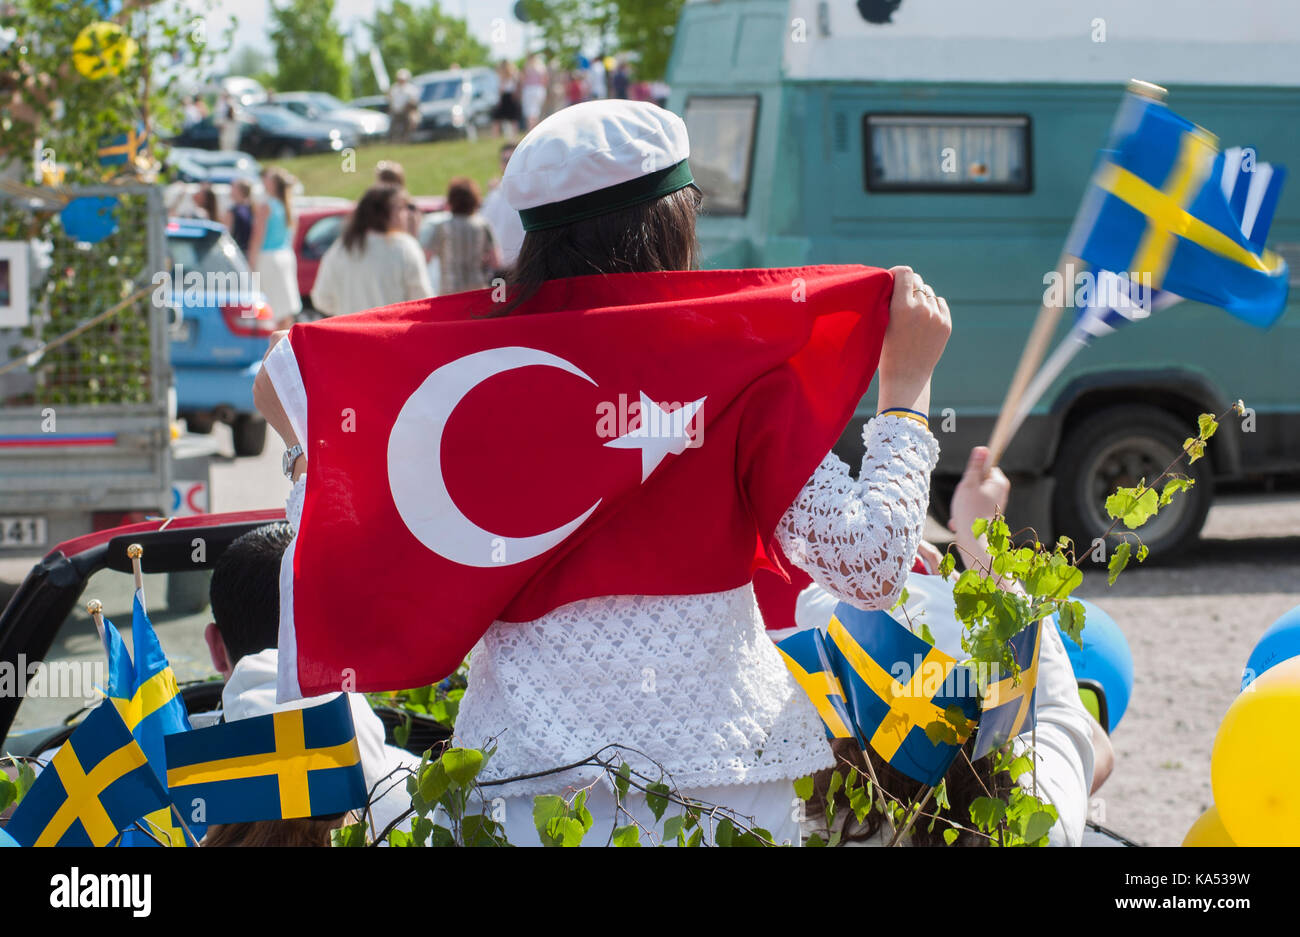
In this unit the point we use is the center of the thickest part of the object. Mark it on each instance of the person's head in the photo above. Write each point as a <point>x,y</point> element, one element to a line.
<point>245,596</point>
<point>206,200</point>
<point>390,172</point>
<point>279,183</point>
<point>507,149</point>
<point>241,190</point>
<point>403,74</point>
<point>463,196</point>
<point>307,831</point>
<point>379,209</point>
<point>616,197</point>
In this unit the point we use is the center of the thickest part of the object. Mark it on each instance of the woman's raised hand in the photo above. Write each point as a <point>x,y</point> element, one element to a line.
<point>919,326</point>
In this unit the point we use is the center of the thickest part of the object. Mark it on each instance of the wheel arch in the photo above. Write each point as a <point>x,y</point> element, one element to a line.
<point>1182,393</point>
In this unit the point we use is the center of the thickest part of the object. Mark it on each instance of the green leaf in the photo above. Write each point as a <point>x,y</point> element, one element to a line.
<point>627,836</point>
<point>947,565</point>
<point>547,807</point>
<point>902,600</point>
<point>1174,486</point>
<point>26,778</point>
<point>397,839</point>
<point>352,835</point>
<point>1207,425</point>
<point>696,838</point>
<point>927,635</point>
<point>1134,506</point>
<point>402,733</point>
<point>462,764</point>
<point>9,792</point>
<point>1038,826</point>
<point>421,829</point>
<point>434,783</point>
<point>673,826</point>
<point>980,525</point>
<point>814,841</point>
<point>1071,617</point>
<point>480,830</point>
<point>1142,553</point>
<point>950,835</point>
<point>803,787</point>
<point>622,779</point>
<point>726,832</point>
<point>564,831</point>
<point>1195,448</point>
<point>987,812</point>
<point>442,838</point>
<point>656,798</point>
<point>1118,560</point>
<point>1019,766</point>
<point>579,810</point>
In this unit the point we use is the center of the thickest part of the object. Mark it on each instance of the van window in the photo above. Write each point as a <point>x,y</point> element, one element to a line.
<point>943,153</point>
<point>721,130</point>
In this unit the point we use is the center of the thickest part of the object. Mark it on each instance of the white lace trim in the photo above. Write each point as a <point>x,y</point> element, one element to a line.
<point>694,681</point>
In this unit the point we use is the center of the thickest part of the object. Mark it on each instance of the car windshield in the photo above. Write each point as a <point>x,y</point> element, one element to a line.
<point>443,90</point>
<point>76,665</point>
<point>277,118</point>
<point>327,101</point>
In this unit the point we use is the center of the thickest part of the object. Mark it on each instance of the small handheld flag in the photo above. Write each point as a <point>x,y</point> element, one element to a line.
<point>99,782</point>
<point>297,763</point>
<point>1007,709</point>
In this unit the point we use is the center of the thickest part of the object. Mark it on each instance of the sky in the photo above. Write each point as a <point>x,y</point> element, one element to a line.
<point>254,15</point>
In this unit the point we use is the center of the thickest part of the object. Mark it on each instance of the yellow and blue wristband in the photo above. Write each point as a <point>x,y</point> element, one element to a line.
<point>907,415</point>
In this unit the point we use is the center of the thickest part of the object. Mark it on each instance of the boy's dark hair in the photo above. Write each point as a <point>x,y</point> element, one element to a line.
<point>462,196</point>
<point>245,590</point>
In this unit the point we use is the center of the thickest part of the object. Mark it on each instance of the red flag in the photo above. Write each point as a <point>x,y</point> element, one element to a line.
<point>642,436</point>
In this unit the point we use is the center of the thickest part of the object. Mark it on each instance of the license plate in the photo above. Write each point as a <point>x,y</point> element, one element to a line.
<point>22,532</point>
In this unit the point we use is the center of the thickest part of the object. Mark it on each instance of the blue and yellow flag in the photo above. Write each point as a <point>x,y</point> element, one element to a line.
<point>297,763</point>
<point>873,680</point>
<point>147,697</point>
<point>1007,709</point>
<point>1157,210</point>
<point>97,783</point>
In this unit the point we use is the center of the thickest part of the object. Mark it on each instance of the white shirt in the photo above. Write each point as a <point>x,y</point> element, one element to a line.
<point>507,227</point>
<point>390,270</point>
<point>400,95</point>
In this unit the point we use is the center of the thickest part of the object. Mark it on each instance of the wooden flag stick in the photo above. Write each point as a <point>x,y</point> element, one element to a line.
<point>929,792</point>
<point>135,551</point>
<point>184,825</point>
<point>1049,314</point>
<point>95,609</point>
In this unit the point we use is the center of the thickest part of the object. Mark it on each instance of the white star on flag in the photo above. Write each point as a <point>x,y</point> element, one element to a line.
<point>660,433</point>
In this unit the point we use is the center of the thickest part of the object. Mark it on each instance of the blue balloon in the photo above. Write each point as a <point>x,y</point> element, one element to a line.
<point>1105,657</point>
<point>1280,642</point>
<point>90,219</point>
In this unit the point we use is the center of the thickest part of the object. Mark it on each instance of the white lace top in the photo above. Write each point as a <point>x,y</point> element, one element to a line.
<point>693,681</point>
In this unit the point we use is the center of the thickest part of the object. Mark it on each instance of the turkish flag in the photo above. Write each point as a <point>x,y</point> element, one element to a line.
<point>635,434</point>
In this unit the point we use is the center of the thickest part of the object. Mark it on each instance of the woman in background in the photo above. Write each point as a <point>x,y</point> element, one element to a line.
<point>466,248</point>
<point>375,262</point>
<point>508,110</point>
<point>270,247</point>
<point>239,216</point>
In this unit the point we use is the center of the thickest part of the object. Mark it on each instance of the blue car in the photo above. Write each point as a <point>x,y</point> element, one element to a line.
<point>219,328</point>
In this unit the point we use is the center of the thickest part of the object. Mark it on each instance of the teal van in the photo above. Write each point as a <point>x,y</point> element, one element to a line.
<point>957,137</point>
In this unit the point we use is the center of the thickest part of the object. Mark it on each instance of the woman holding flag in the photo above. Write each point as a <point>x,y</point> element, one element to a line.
<point>643,634</point>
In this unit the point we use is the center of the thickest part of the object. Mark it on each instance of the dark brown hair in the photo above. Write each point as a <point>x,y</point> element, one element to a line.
<point>965,782</point>
<point>643,238</point>
<point>463,196</point>
<point>374,212</point>
<point>309,831</point>
<point>388,172</point>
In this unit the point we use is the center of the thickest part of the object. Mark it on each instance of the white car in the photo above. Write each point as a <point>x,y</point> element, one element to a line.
<point>319,105</point>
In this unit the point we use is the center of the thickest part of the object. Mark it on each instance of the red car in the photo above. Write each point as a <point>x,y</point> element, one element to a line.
<point>319,224</point>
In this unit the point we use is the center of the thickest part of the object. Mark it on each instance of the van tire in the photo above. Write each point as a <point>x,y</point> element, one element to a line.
<point>248,433</point>
<point>1117,447</point>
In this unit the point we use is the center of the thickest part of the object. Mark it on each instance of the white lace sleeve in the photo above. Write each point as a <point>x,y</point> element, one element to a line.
<point>857,539</point>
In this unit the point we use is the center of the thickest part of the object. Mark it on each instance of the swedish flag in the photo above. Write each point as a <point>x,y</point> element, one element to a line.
<point>1156,207</point>
<point>1007,709</point>
<point>99,782</point>
<point>297,763</point>
<point>147,697</point>
<point>805,655</point>
<point>122,149</point>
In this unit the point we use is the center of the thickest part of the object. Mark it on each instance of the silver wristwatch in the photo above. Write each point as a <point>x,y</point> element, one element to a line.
<point>290,457</point>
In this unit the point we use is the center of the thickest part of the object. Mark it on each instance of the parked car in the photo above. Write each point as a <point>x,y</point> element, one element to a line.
<point>46,621</point>
<point>371,102</point>
<point>246,91</point>
<point>200,165</point>
<point>219,328</point>
<point>270,131</point>
<point>456,102</point>
<point>319,225</point>
<point>320,106</point>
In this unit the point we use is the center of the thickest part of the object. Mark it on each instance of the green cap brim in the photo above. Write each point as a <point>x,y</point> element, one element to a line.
<point>613,198</point>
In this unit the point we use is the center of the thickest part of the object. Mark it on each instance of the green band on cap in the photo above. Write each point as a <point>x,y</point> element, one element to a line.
<point>603,201</point>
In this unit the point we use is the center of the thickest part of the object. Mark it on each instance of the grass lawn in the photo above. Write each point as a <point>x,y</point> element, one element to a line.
<point>429,166</point>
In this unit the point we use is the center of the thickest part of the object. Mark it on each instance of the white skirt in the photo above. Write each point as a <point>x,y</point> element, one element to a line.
<point>277,273</point>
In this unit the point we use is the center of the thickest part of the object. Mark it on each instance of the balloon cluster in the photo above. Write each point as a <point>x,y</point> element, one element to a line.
<point>1255,763</point>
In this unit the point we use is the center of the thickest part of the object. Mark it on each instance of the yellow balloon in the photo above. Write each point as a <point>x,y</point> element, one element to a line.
<point>1208,831</point>
<point>1255,765</point>
<point>102,49</point>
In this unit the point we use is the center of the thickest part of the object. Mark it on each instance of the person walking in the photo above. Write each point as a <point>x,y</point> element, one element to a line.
<point>375,262</point>
<point>536,81</point>
<point>403,107</point>
<point>239,216</point>
<point>229,125</point>
<point>270,247</point>
<point>467,250</point>
<point>507,110</point>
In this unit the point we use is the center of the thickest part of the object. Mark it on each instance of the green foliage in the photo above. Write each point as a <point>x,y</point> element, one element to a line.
<point>571,27</point>
<point>420,37</point>
<point>308,48</point>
